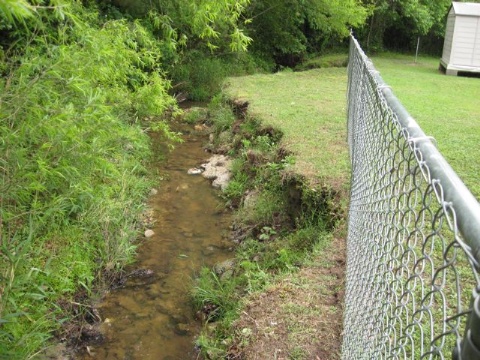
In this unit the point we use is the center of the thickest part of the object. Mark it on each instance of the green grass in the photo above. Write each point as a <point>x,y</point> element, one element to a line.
<point>445,107</point>
<point>309,108</point>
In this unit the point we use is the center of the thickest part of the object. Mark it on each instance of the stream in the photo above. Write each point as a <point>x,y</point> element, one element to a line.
<point>150,317</point>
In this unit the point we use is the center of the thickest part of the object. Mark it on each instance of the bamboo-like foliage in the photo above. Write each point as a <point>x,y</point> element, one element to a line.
<point>76,100</point>
<point>15,10</point>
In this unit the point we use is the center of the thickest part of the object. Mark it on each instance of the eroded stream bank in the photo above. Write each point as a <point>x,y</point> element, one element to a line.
<point>149,316</point>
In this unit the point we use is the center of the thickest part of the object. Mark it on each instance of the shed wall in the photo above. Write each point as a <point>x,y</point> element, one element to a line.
<point>466,41</point>
<point>447,46</point>
<point>461,49</point>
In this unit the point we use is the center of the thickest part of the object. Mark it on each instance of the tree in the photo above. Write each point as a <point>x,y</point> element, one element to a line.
<point>287,29</point>
<point>398,23</point>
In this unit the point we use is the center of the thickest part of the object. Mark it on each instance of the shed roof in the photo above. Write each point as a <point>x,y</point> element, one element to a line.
<point>466,9</point>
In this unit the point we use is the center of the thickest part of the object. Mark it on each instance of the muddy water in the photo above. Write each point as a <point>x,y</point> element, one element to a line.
<point>150,316</point>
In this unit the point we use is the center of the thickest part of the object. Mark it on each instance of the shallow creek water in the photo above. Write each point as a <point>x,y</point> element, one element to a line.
<point>150,316</point>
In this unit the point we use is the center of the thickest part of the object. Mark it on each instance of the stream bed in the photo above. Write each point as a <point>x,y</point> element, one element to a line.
<point>150,316</point>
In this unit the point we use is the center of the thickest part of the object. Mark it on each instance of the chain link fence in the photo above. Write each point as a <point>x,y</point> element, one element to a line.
<point>413,247</point>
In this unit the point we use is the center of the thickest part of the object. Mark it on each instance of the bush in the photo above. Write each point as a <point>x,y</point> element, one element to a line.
<point>201,75</point>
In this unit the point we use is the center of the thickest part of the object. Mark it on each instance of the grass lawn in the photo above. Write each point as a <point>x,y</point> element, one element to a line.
<point>445,107</point>
<point>298,315</point>
<point>309,107</point>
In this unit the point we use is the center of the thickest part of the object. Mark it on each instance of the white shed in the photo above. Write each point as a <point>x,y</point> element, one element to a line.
<point>461,50</point>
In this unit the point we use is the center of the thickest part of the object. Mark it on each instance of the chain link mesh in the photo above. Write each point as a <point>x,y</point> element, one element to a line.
<point>410,271</point>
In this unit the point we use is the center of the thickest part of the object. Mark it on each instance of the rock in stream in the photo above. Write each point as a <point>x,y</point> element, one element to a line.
<point>217,169</point>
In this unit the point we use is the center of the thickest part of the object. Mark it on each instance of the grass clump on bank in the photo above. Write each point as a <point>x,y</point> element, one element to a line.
<point>278,225</point>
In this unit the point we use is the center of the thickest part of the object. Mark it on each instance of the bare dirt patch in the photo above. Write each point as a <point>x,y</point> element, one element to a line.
<point>298,317</point>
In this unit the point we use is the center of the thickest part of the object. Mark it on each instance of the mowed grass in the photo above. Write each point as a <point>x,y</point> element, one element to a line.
<point>445,107</point>
<point>310,109</point>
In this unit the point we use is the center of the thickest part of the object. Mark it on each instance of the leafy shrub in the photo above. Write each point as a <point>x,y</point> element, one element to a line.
<point>199,75</point>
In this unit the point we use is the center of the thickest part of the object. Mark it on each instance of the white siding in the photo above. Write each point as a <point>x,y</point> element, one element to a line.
<point>470,9</point>
<point>447,46</point>
<point>464,40</point>
<point>476,48</point>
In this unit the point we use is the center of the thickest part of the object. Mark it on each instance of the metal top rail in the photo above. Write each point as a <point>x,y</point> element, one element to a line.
<point>454,192</point>
<point>393,289</point>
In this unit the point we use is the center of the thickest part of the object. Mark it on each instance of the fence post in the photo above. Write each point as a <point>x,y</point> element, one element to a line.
<point>470,345</point>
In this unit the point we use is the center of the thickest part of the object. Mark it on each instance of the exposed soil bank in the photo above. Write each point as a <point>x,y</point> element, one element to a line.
<point>299,316</point>
<point>283,297</point>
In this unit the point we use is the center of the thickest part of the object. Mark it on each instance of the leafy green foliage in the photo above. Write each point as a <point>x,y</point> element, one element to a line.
<point>15,10</point>
<point>392,23</point>
<point>189,33</point>
<point>200,75</point>
<point>288,29</point>
<point>76,101</point>
<point>208,24</point>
